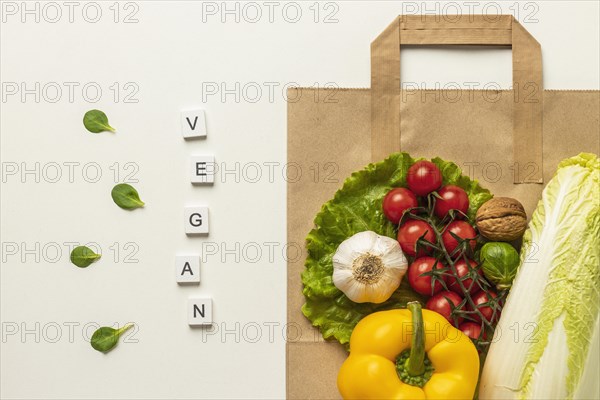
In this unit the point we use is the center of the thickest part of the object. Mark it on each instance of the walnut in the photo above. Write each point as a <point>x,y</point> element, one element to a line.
<point>501,219</point>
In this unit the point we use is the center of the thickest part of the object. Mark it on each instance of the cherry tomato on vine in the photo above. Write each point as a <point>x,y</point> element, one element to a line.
<point>424,177</point>
<point>480,299</point>
<point>396,202</point>
<point>472,330</point>
<point>462,270</point>
<point>422,283</point>
<point>463,230</point>
<point>452,198</point>
<point>441,305</point>
<point>410,232</point>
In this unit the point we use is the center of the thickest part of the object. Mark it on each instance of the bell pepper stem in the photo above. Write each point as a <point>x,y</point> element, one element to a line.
<point>415,364</point>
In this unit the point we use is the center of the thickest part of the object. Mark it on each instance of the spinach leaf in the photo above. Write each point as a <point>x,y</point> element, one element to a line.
<point>106,338</point>
<point>96,121</point>
<point>125,196</point>
<point>83,256</point>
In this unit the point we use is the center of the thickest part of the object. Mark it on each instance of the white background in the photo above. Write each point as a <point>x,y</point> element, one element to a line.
<point>171,54</point>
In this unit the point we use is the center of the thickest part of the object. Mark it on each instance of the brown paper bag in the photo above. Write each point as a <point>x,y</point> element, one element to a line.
<point>511,141</point>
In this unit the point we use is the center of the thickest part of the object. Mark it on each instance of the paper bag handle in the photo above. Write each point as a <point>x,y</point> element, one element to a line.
<point>498,30</point>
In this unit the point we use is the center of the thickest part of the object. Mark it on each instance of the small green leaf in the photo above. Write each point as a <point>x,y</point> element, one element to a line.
<point>96,121</point>
<point>106,338</point>
<point>83,256</point>
<point>125,196</point>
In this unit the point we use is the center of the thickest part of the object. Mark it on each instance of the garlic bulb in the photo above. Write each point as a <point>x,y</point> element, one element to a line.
<point>368,267</point>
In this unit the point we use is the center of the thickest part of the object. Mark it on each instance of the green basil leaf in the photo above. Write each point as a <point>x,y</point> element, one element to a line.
<point>125,196</point>
<point>106,338</point>
<point>96,121</point>
<point>83,256</point>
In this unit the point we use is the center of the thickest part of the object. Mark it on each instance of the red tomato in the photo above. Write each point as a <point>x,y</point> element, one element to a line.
<point>423,178</point>
<point>462,270</point>
<point>481,298</point>
<point>472,330</point>
<point>452,198</point>
<point>396,202</point>
<point>410,232</point>
<point>440,304</point>
<point>422,284</point>
<point>461,229</point>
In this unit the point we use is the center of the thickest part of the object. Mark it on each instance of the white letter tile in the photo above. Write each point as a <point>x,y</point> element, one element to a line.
<point>196,220</point>
<point>193,123</point>
<point>202,169</point>
<point>199,311</point>
<point>187,269</point>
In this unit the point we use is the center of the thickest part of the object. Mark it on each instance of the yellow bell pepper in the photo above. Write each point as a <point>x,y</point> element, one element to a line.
<point>409,354</point>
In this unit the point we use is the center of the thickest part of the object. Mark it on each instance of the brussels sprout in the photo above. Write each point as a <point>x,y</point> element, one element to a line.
<point>499,262</point>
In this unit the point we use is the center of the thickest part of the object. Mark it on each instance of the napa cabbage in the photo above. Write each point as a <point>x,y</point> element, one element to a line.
<point>546,344</point>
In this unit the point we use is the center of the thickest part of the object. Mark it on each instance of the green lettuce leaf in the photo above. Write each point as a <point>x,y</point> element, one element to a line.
<point>357,207</point>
